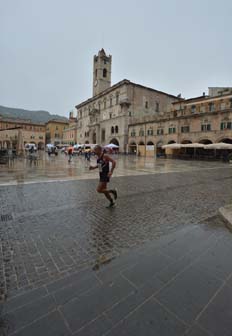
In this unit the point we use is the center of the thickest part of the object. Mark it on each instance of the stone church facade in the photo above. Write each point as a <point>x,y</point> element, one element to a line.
<point>105,117</point>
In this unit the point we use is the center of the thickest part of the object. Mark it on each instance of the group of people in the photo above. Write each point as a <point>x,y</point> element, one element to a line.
<point>87,153</point>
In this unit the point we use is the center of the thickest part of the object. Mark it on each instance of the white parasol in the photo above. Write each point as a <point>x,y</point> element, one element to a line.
<point>111,145</point>
<point>219,145</point>
<point>172,146</point>
<point>193,145</point>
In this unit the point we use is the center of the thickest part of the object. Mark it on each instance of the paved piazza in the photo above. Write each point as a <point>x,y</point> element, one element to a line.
<point>157,264</point>
<point>57,168</point>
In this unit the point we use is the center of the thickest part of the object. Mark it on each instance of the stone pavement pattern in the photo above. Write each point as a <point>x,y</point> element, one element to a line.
<point>158,264</point>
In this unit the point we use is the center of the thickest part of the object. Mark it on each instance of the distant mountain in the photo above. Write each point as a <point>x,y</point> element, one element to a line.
<point>34,116</point>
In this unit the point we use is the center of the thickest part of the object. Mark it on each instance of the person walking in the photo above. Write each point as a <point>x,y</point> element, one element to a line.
<point>105,173</point>
<point>70,154</point>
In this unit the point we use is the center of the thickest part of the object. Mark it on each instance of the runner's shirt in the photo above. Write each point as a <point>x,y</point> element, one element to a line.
<point>104,168</point>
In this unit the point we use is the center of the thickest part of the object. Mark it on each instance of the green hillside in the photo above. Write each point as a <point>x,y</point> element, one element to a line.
<point>34,116</point>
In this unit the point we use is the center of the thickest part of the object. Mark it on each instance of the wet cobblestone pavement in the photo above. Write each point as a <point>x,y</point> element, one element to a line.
<point>46,168</point>
<point>153,265</point>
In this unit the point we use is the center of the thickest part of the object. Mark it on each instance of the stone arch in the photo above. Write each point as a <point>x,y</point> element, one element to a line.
<point>225,140</point>
<point>171,142</point>
<point>150,143</point>
<point>86,142</point>
<point>141,143</point>
<point>114,141</point>
<point>186,142</point>
<point>159,150</point>
<point>132,143</point>
<point>132,147</point>
<point>205,141</point>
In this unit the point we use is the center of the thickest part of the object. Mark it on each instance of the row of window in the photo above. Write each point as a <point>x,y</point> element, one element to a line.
<point>70,136</point>
<point>100,104</point>
<point>26,127</point>
<point>211,107</point>
<point>114,129</point>
<point>184,129</point>
<point>33,137</point>
<point>157,106</point>
<point>57,128</point>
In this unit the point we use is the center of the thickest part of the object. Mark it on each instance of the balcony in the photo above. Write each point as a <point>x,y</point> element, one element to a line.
<point>125,102</point>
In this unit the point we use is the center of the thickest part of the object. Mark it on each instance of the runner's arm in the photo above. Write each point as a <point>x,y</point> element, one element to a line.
<point>92,167</point>
<point>107,158</point>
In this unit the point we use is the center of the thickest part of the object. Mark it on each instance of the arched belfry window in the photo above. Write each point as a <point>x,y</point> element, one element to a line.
<point>116,129</point>
<point>104,73</point>
<point>112,130</point>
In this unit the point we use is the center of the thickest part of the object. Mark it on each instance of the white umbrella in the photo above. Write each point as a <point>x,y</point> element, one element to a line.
<point>193,145</point>
<point>219,145</point>
<point>111,145</point>
<point>172,146</point>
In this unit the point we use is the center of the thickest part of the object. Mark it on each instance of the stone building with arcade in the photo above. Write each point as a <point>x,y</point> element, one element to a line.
<point>12,129</point>
<point>206,119</point>
<point>105,117</point>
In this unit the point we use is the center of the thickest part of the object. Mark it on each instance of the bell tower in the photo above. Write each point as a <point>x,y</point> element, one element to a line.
<point>101,72</point>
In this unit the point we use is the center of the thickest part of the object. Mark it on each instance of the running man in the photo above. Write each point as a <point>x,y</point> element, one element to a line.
<point>103,164</point>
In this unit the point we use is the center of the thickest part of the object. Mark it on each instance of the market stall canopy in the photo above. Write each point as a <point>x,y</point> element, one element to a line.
<point>172,146</point>
<point>111,145</point>
<point>219,145</point>
<point>78,146</point>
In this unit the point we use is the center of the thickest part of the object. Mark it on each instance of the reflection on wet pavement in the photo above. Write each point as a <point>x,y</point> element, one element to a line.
<point>46,168</point>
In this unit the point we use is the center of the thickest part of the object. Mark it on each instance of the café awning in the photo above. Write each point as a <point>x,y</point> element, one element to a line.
<point>219,145</point>
<point>193,145</point>
<point>172,146</point>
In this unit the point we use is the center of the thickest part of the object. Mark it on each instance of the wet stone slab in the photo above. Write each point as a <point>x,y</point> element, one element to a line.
<point>189,293</point>
<point>150,319</point>
<point>50,325</point>
<point>66,258</point>
<point>217,317</point>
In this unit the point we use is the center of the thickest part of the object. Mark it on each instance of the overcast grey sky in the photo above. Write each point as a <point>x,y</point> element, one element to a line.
<point>47,47</point>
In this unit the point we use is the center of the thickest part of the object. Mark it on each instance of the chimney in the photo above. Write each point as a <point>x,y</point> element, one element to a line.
<point>71,115</point>
<point>203,94</point>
